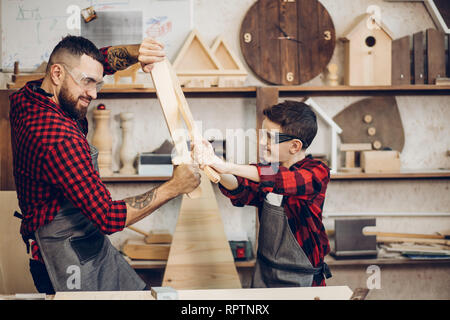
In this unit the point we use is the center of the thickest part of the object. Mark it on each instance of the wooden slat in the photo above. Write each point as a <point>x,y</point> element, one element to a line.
<point>435,55</point>
<point>15,276</point>
<point>250,26</point>
<point>268,38</point>
<point>401,61</point>
<point>6,159</point>
<point>311,293</point>
<point>308,27</point>
<point>200,256</point>
<point>104,295</point>
<point>419,58</point>
<point>288,48</point>
<point>138,249</point>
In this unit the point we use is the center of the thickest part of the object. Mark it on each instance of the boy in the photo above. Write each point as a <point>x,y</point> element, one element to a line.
<point>289,192</point>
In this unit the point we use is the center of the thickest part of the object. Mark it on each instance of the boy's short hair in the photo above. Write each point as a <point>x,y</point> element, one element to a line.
<point>74,46</point>
<point>295,118</point>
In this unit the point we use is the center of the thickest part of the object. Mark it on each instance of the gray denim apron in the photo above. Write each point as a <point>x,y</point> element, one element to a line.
<point>71,246</point>
<point>281,262</point>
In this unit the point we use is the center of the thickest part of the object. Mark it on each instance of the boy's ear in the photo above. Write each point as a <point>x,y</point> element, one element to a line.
<point>296,146</point>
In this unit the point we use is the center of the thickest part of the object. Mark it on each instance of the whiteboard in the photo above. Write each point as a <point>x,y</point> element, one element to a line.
<point>30,29</point>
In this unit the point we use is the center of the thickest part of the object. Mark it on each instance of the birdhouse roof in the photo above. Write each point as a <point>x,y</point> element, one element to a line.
<point>360,22</point>
<point>310,102</point>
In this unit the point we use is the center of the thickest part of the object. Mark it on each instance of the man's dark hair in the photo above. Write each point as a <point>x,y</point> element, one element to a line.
<point>75,46</point>
<point>295,118</point>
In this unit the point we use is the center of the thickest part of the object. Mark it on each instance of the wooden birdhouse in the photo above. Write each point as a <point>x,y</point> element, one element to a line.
<point>368,52</point>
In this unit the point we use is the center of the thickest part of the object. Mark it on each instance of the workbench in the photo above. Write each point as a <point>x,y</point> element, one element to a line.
<point>401,278</point>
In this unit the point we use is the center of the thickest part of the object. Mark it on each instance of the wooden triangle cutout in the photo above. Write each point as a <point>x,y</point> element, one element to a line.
<point>200,256</point>
<point>195,55</point>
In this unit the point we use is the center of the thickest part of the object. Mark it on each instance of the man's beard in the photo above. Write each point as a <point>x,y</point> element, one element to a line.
<point>69,104</point>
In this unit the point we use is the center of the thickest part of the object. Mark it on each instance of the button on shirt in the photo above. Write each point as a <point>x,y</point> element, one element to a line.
<point>52,162</point>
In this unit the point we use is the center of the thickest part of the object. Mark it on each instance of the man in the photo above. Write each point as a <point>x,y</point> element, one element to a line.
<point>66,209</point>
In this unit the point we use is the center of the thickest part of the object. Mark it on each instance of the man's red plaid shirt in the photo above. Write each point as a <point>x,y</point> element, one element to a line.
<point>52,162</point>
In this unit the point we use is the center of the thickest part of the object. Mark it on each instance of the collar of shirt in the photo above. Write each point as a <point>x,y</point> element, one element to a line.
<point>34,91</point>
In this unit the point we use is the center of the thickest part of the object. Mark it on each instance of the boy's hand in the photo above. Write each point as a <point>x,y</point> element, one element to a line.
<point>203,154</point>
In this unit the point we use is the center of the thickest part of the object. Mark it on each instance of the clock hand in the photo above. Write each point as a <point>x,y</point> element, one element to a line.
<point>286,36</point>
<point>282,31</point>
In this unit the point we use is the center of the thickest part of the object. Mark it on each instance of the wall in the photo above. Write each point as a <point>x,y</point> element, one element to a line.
<point>425,120</point>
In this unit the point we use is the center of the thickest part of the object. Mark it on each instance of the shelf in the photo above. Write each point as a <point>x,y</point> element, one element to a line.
<point>404,174</point>
<point>250,91</point>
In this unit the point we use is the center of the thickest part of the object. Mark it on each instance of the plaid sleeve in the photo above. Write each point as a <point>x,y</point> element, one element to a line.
<point>299,182</point>
<point>68,166</point>
<point>106,67</point>
<point>247,193</point>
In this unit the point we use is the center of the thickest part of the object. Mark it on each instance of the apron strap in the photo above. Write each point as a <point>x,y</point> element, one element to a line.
<point>323,269</point>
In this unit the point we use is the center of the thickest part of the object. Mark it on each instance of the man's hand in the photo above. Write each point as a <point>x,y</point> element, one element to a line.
<point>185,179</point>
<point>150,52</point>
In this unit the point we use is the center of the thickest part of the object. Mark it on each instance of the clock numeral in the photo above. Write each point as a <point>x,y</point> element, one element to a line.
<point>247,37</point>
<point>327,35</point>
<point>290,76</point>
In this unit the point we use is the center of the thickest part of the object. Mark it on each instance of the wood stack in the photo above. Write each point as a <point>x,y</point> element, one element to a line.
<point>154,246</point>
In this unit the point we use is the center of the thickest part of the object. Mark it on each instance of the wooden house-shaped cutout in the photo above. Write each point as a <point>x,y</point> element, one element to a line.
<point>368,53</point>
<point>197,65</point>
<point>335,130</point>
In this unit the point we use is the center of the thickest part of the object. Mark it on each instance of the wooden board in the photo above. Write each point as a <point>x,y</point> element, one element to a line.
<point>6,159</point>
<point>15,276</point>
<point>435,55</point>
<point>385,119</point>
<point>419,58</point>
<point>139,250</point>
<point>200,256</point>
<point>104,295</point>
<point>177,113</point>
<point>401,61</point>
<point>311,293</point>
<point>273,50</point>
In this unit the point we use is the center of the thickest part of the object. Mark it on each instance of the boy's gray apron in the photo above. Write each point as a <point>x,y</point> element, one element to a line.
<point>281,262</point>
<point>79,257</point>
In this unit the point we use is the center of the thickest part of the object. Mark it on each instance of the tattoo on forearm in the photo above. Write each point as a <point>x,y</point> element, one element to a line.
<point>141,201</point>
<point>120,58</point>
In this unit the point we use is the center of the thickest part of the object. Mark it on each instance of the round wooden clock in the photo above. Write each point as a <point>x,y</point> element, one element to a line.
<point>287,42</point>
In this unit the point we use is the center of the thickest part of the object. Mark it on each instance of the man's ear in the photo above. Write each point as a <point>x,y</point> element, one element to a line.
<point>56,74</point>
<point>296,146</point>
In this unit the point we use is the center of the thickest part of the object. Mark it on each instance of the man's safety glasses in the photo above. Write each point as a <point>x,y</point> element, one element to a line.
<point>84,81</point>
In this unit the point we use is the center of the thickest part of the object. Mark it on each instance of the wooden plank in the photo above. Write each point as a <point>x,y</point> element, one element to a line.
<point>435,55</point>
<point>401,61</point>
<point>200,256</point>
<point>311,293</point>
<point>249,39</point>
<point>139,250</point>
<point>308,27</point>
<point>404,235</point>
<point>104,295</point>
<point>419,58</point>
<point>175,109</point>
<point>268,37</point>
<point>6,158</point>
<point>288,49</point>
<point>413,240</point>
<point>15,274</point>
<point>355,146</point>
